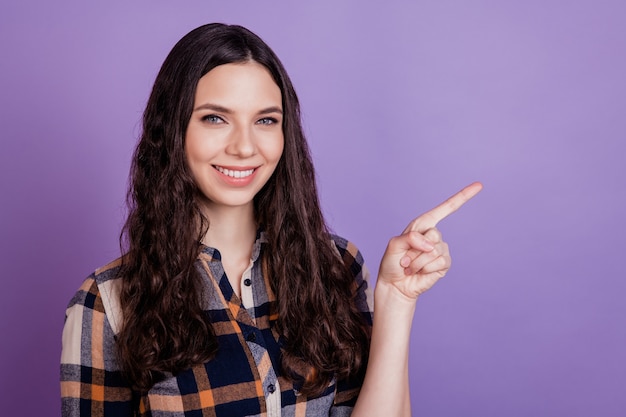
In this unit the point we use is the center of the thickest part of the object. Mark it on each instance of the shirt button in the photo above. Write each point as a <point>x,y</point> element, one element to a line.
<point>271,388</point>
<point>251,337</point>
<point>247,282</point>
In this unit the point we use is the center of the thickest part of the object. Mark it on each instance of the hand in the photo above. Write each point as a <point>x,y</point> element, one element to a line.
<point>415,260</point>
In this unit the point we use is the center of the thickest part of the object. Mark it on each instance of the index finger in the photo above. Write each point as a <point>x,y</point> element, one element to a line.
<point>430,219</point>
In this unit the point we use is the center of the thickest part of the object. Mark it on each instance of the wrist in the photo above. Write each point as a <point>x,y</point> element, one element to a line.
<point>389,296</point>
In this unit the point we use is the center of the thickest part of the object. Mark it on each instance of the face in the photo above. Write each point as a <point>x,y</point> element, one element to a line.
<point>235,138</point>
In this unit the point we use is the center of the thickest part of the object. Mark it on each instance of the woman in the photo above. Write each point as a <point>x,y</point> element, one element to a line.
<point>232,297</point>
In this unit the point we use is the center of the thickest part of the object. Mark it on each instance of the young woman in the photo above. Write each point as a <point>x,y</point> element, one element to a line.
<point>232,298</point>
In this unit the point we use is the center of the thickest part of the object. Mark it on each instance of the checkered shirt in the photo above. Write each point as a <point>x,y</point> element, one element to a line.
<point>242,380</point>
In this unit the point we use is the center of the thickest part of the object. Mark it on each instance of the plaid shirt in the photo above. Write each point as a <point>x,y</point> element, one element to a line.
<point>242,380</point>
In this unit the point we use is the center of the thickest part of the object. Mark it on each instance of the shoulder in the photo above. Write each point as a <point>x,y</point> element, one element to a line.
<point>88,346</point>
<point>349,253</point>
<point>352,258</point>
<point>99,293</point>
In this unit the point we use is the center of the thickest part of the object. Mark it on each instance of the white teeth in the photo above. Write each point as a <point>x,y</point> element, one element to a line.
<point>235,174</point>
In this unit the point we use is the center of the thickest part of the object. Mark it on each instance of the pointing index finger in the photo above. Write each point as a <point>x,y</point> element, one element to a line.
<point>430,219</point>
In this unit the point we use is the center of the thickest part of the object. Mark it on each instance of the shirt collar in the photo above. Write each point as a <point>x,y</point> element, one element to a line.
<point>261,238</point>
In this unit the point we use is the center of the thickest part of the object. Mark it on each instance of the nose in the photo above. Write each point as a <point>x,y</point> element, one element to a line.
<point>241,143</point>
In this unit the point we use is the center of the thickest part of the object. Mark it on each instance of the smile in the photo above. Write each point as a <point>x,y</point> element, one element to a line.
<point>233,173</point>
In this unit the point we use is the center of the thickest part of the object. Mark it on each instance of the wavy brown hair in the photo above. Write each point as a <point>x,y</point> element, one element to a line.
<point>165,328</point>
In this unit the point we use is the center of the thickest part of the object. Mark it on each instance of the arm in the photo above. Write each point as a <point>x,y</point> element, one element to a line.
<point>413,262</point>
<point>91,384</point>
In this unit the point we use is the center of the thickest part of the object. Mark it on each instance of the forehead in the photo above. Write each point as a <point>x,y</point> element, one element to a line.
<point>240,84</point>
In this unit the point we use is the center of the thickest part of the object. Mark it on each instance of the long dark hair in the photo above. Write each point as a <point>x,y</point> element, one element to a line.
<point>164,327</point>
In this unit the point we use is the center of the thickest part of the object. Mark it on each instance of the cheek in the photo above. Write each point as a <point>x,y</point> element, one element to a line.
<point>190,146</point>
<point>194,159</point>
<point>279,149</point>
<point>196,149</point>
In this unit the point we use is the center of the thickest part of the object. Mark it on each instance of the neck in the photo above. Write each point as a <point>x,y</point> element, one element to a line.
<point>231,229</point>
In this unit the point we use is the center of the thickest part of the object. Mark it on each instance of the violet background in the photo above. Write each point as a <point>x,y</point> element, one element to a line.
<point>404,103</point>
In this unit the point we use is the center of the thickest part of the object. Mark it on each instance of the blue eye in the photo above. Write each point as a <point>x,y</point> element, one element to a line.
<point>267,121</point>
<point>211,118</point>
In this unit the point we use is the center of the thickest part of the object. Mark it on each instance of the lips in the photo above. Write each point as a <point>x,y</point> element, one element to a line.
<point>233,173</point>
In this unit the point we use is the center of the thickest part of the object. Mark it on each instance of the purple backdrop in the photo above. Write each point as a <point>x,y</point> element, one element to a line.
<point>403,104</point>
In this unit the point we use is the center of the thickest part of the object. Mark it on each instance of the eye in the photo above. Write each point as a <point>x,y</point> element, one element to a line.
<point>267,121</point>
<point>213,119</point>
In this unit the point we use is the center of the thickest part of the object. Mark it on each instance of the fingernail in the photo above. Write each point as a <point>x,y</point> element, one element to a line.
<point>405,261</point>
<point>429,245</point>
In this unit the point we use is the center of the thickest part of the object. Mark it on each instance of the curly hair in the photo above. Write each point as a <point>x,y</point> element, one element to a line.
<point>165,328</point>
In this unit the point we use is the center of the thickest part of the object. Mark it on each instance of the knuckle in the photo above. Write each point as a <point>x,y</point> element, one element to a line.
<point>434,234</point>
<point>444,248</point>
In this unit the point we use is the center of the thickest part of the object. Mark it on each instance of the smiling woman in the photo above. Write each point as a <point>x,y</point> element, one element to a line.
<point>234,139</point>
<point>232,298</point>
<point>233,143</point>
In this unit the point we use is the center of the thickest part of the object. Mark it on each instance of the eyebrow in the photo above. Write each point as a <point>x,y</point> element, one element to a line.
<point>222,109</point>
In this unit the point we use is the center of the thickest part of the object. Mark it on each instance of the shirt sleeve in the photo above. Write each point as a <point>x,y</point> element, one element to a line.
<point>347,391</point>
<point>91,382</point>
